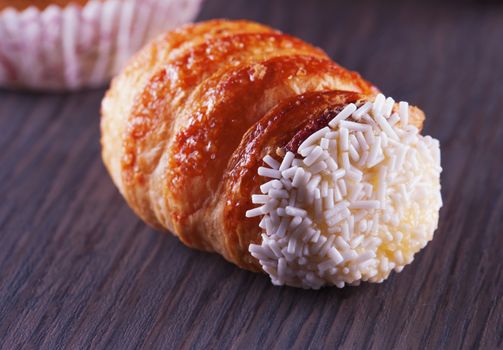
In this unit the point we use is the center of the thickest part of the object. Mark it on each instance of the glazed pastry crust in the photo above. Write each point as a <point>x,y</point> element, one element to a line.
<point>186,125</point>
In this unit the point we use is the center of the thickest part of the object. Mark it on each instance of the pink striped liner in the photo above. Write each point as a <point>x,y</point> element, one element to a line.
<point>75,47</point>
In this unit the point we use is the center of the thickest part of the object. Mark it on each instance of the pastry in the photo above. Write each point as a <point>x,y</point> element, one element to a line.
<point>73,44</point>
<point>253,144</point>
<point>40,4</point>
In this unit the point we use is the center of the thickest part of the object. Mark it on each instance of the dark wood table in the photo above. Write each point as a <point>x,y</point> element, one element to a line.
<point>79,270</point>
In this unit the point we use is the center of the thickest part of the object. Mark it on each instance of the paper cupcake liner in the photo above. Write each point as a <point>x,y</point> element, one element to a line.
<point>75,47</point>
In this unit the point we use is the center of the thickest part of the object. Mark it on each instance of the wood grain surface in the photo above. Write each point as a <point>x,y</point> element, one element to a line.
<point>79,270</point>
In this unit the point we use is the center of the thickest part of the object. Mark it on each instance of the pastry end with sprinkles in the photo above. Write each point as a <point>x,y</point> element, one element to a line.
<point>355,200</point>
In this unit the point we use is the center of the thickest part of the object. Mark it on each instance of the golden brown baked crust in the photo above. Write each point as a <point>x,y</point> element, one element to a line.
<point>186,124</point>
<point>40,4</point>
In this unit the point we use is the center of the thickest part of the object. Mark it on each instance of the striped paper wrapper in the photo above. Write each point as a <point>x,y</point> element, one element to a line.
<point>75,47</point>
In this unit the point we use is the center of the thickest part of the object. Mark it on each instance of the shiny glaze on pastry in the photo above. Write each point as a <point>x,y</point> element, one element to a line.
<point>176,125</point>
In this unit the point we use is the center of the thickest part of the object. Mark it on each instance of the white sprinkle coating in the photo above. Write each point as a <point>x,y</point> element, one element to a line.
<point>273,163</point>
<point>377,107</point>
<point>263,171</point>
<point>344,139</point>
<point>361,111</point>
<point>260,198</point>
<point>344,114</point>
<point>388,106</point>
<point>292,211</point>
<point>287,161</point>
<point>313,156</point>
<point>403,112</point>
<point>313,138</point>
<point>356,202</point>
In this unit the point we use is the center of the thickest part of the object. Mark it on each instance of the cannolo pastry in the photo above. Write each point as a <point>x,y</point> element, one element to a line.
<point>253,144</point>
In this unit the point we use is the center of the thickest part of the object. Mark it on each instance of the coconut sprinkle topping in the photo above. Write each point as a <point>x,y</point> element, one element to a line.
<point>357,201</point>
